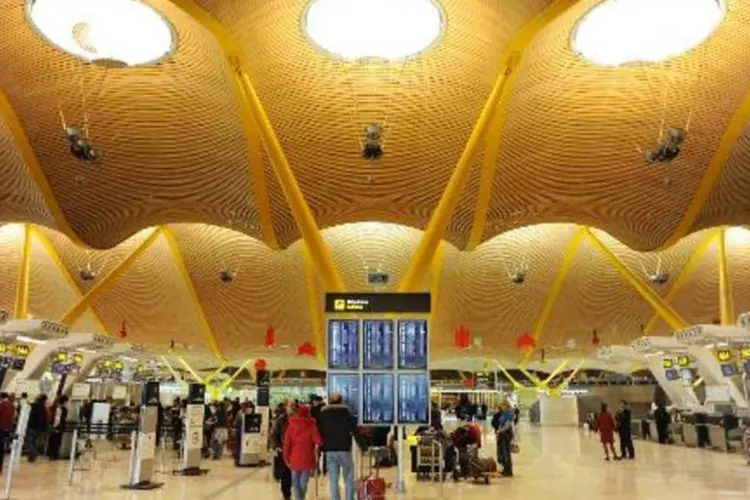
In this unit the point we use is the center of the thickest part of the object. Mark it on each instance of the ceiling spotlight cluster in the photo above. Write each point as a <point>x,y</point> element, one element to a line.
<point>227,276</point>
<point>373,143</point>
<point>669,148</point>
<point>80,146</point>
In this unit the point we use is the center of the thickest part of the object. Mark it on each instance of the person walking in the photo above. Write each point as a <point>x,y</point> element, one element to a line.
<point>624,418</point>
<point>605,425</point>
<point>37,426</point>
<point>278,433</point>
<point>301,441</point>
<point>502,422</point>
<point>7,419</point>
<point>59,417</point>
<point>338,427</point>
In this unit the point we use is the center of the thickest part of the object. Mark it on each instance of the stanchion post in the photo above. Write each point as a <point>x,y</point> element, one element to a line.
<point>400,486</point>
<point>73,453</point>
<point>131,472</point>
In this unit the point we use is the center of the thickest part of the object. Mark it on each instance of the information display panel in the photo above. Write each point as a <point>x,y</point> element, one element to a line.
<point>412,344</point>
<point>378,399</point>
<point>672,374</point>
<point>343,344</point>
<point>746,365</point>
<point>413,398</point>
<point>377,344</point>
<point>729,369</point>
<point>348,385</point>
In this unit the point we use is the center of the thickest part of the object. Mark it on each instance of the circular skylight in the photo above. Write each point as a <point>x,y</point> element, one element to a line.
<point>128,31</point>
<point>382,29</point>
<point>617,32</point>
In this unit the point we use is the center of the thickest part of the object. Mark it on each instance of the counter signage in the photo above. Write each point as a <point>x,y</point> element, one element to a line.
<point>378,303</point>
<point>745,352</point>
<point>723,354</point>
<point>683,361</point>
<point>21,350</point>
<point>667,363</point>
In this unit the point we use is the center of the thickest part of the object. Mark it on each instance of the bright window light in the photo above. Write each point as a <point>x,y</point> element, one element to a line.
<point>383,29</point>
<point>127,31</point>
<point>617,32</point>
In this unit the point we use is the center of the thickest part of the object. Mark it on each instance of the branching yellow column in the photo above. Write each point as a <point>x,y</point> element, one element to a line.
<point>437,275</point>
<point>188,281</point>
<point>513,381</point>
<point>314,306</point>
<point>567,262</point>
<point>320,253</point>
<point>109,280</point>
<point>447,204</point>
<point>22,288</point>
<point>687,270</point>
<point>725,289</point>
<point>216,373</point>
<point>52,253</point>
<point>567,380</point>
<point>555,373</point>
<point>236,373</point>
<point>190,370</point>
<point>673,319</point>
<point>534,380</point>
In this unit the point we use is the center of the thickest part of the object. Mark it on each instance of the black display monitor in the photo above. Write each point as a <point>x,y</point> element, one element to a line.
<point>378,344</point>
<point>412,344</point>
<point>413,398</point>
<point>348,385</point>
<point>672,374</point>
<point>729,369</point>
<point>150,394</point>
<point>746,365</point>
<point>343,344</point>
<point>196,394</point>
<point>378,399</point>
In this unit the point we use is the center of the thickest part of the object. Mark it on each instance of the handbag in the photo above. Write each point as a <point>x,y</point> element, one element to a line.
<point>514,448</point>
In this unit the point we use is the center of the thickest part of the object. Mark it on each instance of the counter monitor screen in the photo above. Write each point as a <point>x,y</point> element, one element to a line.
<point>378,344</point>
<point>746,365</point>
<point>413,398</point>
<point>686,374</point>
<point>671,374</point>
<point>348,385</point>
<point>729,369</point>
<point>343,344</point>
<point>378,399</point>
<point>412,344</point>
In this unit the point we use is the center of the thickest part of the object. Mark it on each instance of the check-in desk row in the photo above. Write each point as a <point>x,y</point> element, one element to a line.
<point>706,431</point>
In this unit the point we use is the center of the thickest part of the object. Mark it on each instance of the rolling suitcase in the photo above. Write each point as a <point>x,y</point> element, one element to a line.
<point>371,486</point>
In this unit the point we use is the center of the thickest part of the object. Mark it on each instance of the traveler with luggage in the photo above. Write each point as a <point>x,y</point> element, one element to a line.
<point>301,441</point>
<point>502,422</point>
<point>338,427</point>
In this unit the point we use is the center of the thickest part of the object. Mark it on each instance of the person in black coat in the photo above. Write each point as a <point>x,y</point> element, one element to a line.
<point>624,418</point>
<point>59,417</point>
<point>661,416</point>
<point>37,426</point>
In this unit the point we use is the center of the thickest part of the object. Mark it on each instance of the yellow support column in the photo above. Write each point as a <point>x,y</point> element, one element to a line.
<point>534,380</point>
<point>236,373</point>
<point>188,281</point>
<point>190,370</point>
<point>567,380</point>
<point>725,290</point>
<point>441,216</point>
<point>109,280</point>
<point>555,373</point>
<point>314,306</point>
<point>567,262</point>
<point>512,380</point>
<point>52,253</point>
<point>216,373</point>
<point>687,270</point>
<point>320,253</point>
<point>673,319</point>
<point>22,288</point>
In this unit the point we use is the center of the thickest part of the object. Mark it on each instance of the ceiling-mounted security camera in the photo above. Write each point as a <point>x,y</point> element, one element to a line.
<point>226,276</point>
<point>518,277</point>
<point>669,149</point>
<point>373,143</point>
<point>658,278</point>
<point>87,274</point>
<point>80,147</point>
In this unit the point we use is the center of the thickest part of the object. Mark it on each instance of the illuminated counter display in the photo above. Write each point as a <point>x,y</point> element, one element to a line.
<point>378,344</point>
<point>343,344</point>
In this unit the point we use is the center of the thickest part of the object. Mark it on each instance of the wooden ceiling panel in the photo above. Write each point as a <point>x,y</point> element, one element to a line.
<point>11,248</point>
<point>170,135</point>
<point>574,133</point>
<point>153,301</point>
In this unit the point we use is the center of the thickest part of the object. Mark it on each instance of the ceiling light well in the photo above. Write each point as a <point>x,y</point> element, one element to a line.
<point>617,32</point>
<point>388,30</point>
<point>130,32</point>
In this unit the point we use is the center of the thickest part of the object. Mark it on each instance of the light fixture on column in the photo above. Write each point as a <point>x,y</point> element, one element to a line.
<point>385,29</point>
<point>127,31</point>
<point>617,32</point>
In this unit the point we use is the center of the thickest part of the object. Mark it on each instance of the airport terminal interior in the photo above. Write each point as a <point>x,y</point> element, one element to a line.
<point>418,249</point>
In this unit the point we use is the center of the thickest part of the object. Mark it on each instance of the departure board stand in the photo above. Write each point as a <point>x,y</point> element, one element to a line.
<point>389,377</point>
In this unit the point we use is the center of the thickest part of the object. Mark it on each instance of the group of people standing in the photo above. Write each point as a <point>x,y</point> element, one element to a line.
<point>607,425</point>
<point>301,434</point>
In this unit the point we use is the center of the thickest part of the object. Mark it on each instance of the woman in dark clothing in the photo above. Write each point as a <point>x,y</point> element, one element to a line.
<point>59,417</point>
<point>37,426</point>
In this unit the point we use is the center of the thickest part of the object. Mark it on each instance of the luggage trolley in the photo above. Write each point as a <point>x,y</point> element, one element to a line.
<point>746,444</point>
<point>430,457</point>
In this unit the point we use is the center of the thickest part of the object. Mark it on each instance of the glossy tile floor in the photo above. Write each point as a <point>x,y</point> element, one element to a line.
<point>554,464</point>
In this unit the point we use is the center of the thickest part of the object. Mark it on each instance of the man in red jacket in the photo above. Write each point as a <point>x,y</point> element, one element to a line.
<point>300,441</point>
<point>7,418</point>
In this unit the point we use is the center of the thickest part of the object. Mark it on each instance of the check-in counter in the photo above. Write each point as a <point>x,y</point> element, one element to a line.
<point>675,430</point>
<point>689,434</point>
<point>717,437</point>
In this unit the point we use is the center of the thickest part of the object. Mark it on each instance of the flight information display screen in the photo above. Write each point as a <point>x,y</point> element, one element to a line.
<point>729,369</point>
<point>686,374</point>
<point>413,398</point>
<point>348,385</point>
<point>672,374</point>
<point>746,364</point>
<point>378,398</point>
<point>412,344</point>
<point>378,344</point>
<point>343,344</point>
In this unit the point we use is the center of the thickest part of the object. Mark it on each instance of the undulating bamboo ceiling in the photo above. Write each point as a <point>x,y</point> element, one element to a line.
<point>177,150</point>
